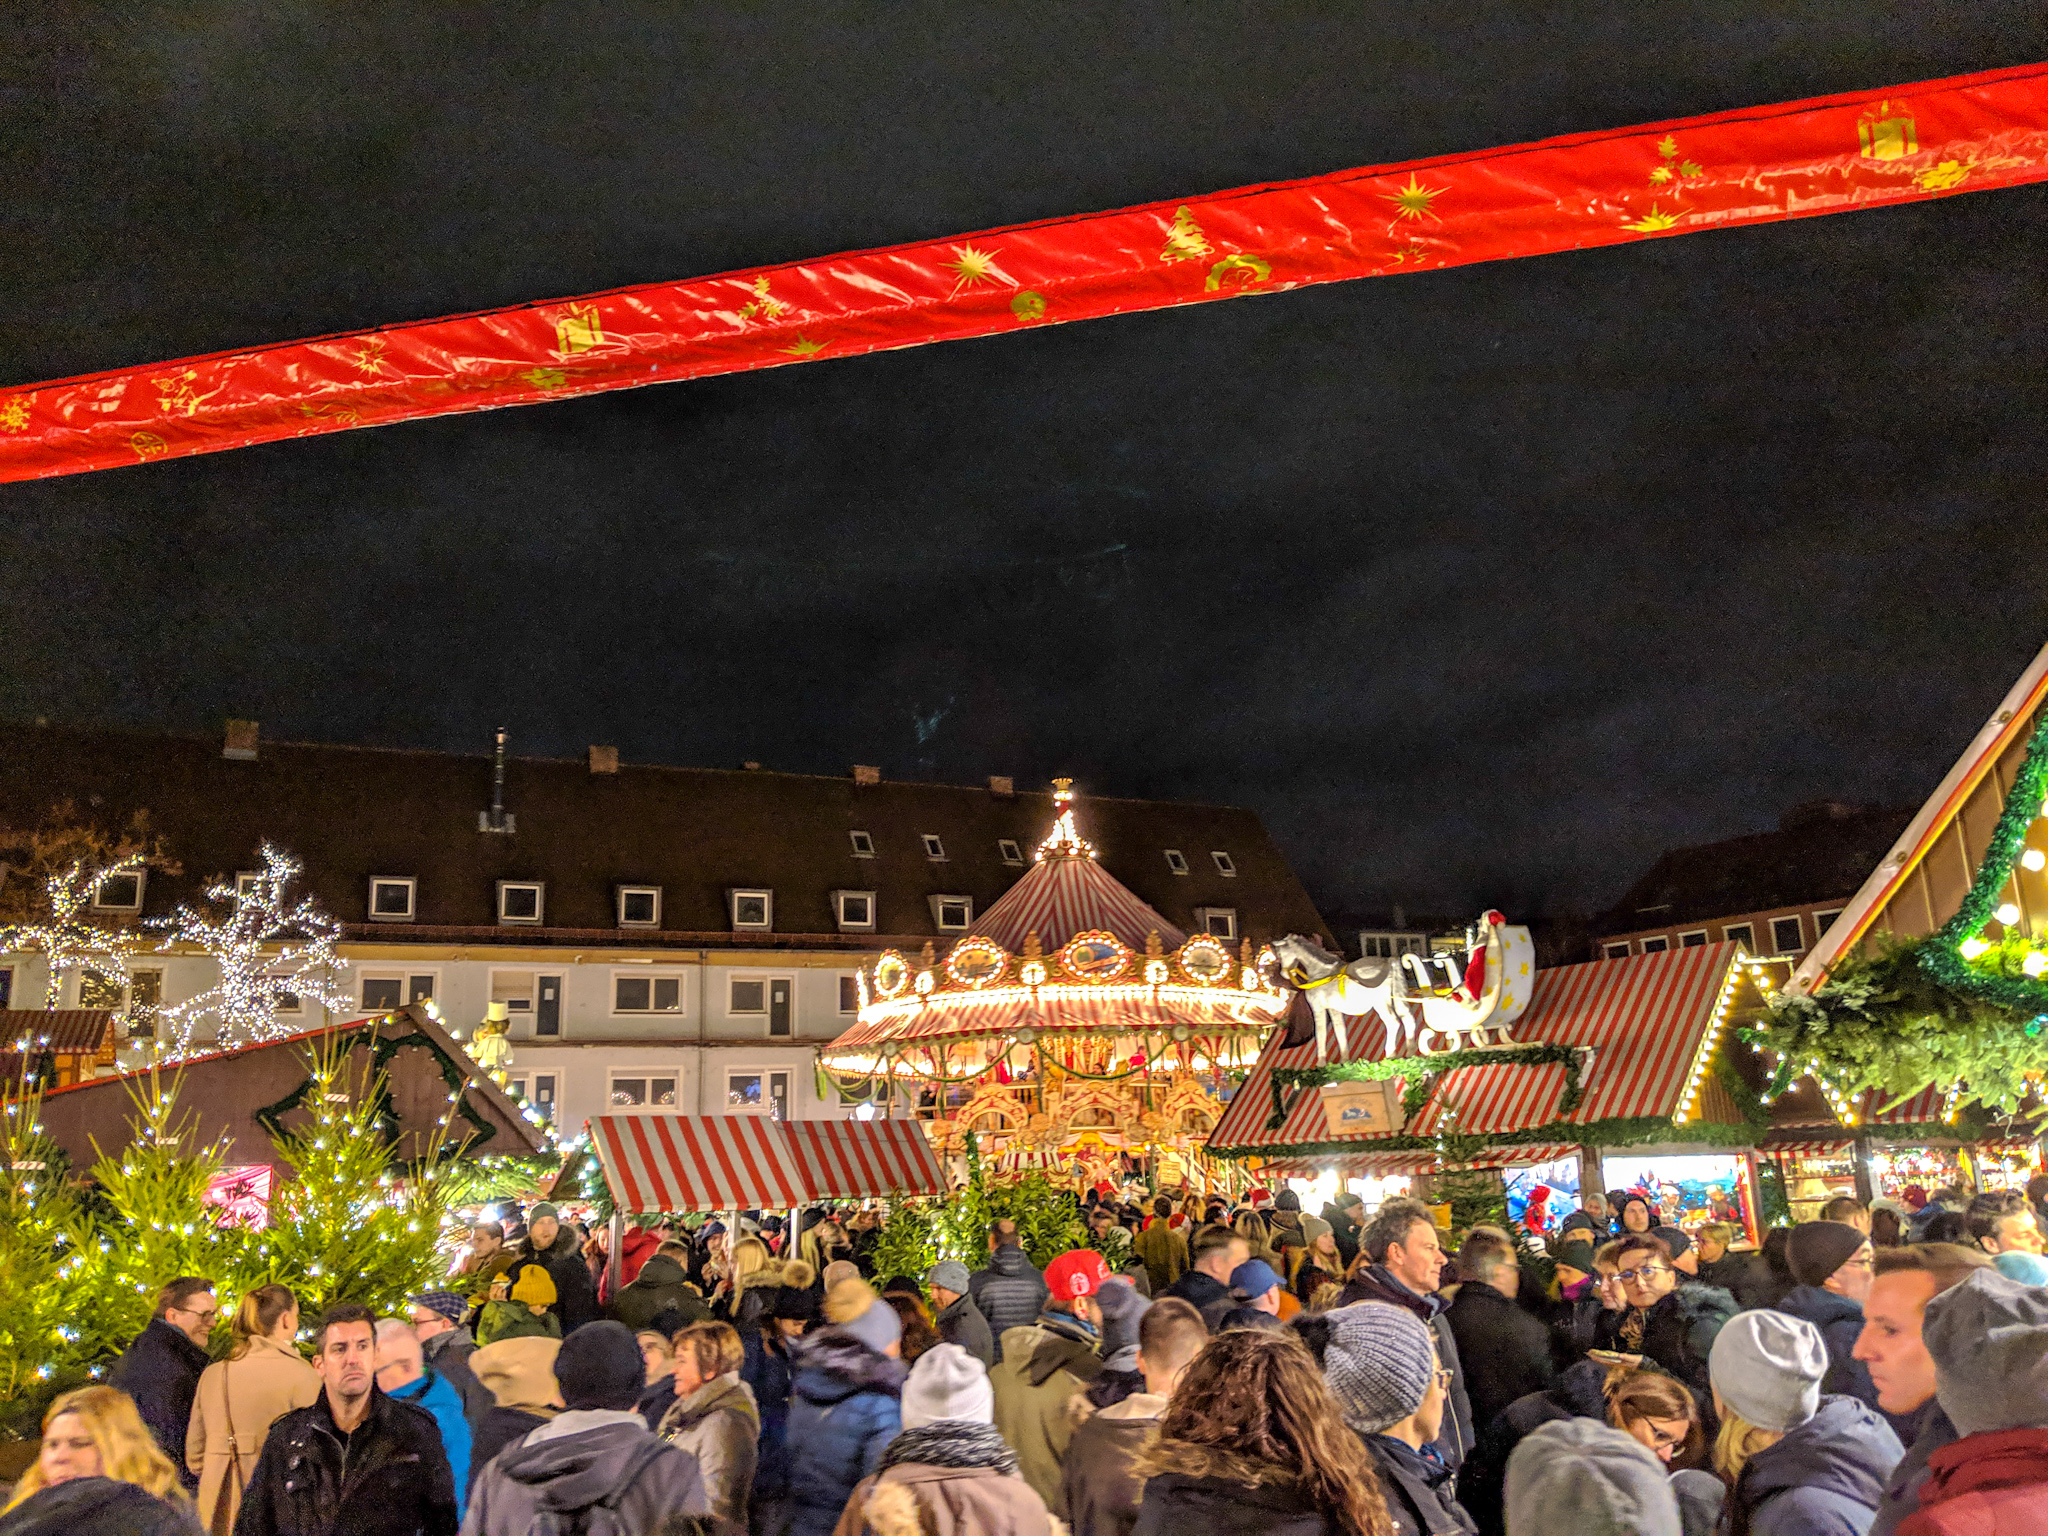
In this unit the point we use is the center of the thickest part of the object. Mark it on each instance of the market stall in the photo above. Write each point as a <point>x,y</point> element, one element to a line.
<point>675,1164</point>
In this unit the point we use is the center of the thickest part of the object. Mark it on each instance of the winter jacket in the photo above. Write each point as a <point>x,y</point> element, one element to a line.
<point>1345,1231</point>
<point>1678,1331</point>
<point>161,1370</point>
<point>1100,1489</point>
<point>660,1287</point>
<point>1375,1283</point>
<point>590,1465</point>
<point>514,1320</point>
<point>1418,1490</point>
<point>1204,1490</point>
<point>388,1478</point>
<point>1839,1320</point>
<point>475,1282</point>
<point>1986,1484</point>
<point>1823,1478</point>
<point>1164,1253</point>
<point>1574,1320</point>
<point>963,1324</point>
<point>1745,1276</point>
<point>1206,1294</point>
<point>1579,1393</point>
<point>97,1506</point>
<point>635,1249</point>
<point>1506,1352</point>
<point>432,1391</point>
<point>1248,1316</point>
<point>575,1292</point>
<point>844,1411</point>
<point>912,1498</point>
<point>766,1371</point>
<point>1042,1367</point>
<point>237,1402</point>
<point>1009,1293</point>
<point>448,1355</point>
<point>719,1425</point>
<point>498,1429</point>
<point>1902,1488</point>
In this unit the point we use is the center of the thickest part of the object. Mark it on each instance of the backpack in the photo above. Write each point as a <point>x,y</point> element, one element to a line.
<point>602,1518</point>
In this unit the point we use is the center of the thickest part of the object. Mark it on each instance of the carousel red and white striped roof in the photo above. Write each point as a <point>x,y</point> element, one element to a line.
<point>1644,1019</point>
<point>1068,893</point>
<point>677,1163</point>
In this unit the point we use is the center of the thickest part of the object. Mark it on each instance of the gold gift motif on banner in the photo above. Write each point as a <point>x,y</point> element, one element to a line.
<point>1249,270</point>
<point>578,331</point>
<point>1185,240</point>
<point>14,412</point>
<point>1885,136</point>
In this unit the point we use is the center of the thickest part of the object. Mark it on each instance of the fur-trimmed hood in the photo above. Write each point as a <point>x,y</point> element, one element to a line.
<point>1190,1459</point>
<point>832,1365</point>
<point>1697,1302</point>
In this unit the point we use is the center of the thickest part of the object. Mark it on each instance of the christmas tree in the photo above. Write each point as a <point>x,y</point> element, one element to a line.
<point>43,1349</point>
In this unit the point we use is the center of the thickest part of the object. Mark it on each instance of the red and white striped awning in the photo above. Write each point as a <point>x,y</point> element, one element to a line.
<point>657,1163</point>
<point>1381,1164</point>
<point>1927,1107</point>
<point>1645,1019</point>
<point>1813,1147</point>
<point>1065,894</point>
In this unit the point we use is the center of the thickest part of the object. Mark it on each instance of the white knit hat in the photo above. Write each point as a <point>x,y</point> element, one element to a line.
<point>946,1382</point>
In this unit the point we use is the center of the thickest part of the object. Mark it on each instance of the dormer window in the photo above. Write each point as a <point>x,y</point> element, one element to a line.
<point>520,902</point>
<point>1176,861</point>
<point>854,910</point>
<point>1224,864</point>
<point>863,844</point>
<point>391,898</point>
<point>120,893</point>
<point>639,906</point>
<point>752,911</point>
<point>1218,922</point>
<point>952,914</point>
<point>934,849</point>
<point>1007,847</point>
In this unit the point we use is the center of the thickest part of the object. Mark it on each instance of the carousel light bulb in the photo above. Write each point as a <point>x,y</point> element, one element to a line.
<point>1970,949</point>
<point>2007,913</point>
<point>2035,963</point>
<point>2034,858</point>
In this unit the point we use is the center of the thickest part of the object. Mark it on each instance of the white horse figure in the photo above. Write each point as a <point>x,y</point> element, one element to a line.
<point>1337,993</point>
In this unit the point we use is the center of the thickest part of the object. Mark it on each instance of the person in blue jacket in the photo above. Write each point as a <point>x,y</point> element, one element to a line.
<point>403,1374</point>
<point>847,1385</point>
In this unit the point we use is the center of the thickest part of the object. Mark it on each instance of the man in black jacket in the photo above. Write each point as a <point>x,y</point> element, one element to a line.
<point>550,1243</point>
<point>1343,1215</point>
<point>1506,1352</point>
<point>355,1463</point>
<point>1010,1293</point>
<point>1216,1252</point>
<point>160,1370</point>
<point>958,1319</point>
<point>1407,1259</point>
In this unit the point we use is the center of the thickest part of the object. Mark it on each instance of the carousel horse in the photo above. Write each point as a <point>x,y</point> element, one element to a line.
<point>1336,992</point>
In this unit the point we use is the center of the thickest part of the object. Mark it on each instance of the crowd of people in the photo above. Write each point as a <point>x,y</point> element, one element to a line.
<point>1250,1369</point>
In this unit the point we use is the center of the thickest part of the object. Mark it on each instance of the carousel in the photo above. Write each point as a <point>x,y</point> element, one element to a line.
<point>1073,1029</point>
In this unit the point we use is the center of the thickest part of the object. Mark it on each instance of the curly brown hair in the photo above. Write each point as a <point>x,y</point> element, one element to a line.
<point>1259,1394</point>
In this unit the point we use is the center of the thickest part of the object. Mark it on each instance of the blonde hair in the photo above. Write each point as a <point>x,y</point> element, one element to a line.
<point>128,1452</point>
<point>258,1316</point>
<point>715,1347</point>
<point>1737,1442</point>
<point>748,1255</point>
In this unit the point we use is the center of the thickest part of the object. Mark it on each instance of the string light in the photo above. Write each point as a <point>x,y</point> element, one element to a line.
<point>66,939</point>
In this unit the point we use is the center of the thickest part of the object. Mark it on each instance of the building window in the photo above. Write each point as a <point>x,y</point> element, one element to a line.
<point>749,994</point>
<point>647,994</point>
<point>743,1090</point>
<point>855,911</point>
<point>247,883</point>
<point>863,845</point>
<point>1786,936</point>
<point>1821,923</point>
<point>97,991</point>
<point>519,901</point>
<point>639,906</point>
<point>515,990</point>
<point>1618,951</point>
<point>386,990</point>
<point>1740,933</point>
<point>1375,946</point>
<point>6,986</point>
<point>391,898</point>
<point>541,1096</point>
<point>119,893</point>
<point>753,910</point>
<point>641,1089</point>
<point>952,914</point>
<point>1656,946</point>
<point>849,995</point>
<point>1218,922</point>
<point>287,1002</point>
<point>1176,861</point>
<point>933,848</point>
<point>1007,847</point>
<point>1694,940</point>
<point>1224,864</point>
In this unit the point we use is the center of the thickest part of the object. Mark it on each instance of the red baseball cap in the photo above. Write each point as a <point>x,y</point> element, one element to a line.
<point>1079,1273</point>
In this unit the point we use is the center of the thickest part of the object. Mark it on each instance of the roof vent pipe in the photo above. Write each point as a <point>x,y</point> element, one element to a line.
<point>496,819</point>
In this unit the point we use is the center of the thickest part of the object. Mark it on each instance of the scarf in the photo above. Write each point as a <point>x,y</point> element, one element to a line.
<point>1067,1325</point>
<point>952,1443</point>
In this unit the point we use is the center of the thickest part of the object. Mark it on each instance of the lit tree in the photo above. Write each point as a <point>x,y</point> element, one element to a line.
<point>62,934</point>
<point>273,951</point>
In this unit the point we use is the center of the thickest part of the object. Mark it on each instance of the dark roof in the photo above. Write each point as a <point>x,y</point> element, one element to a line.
<point>65,1031</point>
<point>1819,852</point>
<point>350,813</point>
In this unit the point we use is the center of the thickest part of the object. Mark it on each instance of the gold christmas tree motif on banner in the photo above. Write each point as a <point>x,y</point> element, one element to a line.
<point>1413,200</point>
<point>579,330</point>
<point>14,413</point>
<point>971,267</point>
<point>764,305</point>
<point>1249,270</point>
<point>1185,240</point>
<point>1674,172</point>
<point>1656,221</point>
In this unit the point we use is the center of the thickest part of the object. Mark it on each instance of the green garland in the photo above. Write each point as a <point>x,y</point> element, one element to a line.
<point>1423,1073</point>
<point>1620,1131</point>
<point>382,1049</point>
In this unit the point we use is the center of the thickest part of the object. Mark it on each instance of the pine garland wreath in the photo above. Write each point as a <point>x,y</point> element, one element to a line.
<point>1424,1072</point>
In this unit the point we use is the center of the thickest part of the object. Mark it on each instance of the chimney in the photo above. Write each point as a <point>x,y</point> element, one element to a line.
<point>497,819</point>
<point>863,774</point>
<point>604,759</point>
<point>1002,786</point>
<point>751,767</point>
<point>241,741</point>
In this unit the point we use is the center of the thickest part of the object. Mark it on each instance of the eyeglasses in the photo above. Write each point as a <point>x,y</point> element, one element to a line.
<point>1643,1272</point>
<point>206,1316</point>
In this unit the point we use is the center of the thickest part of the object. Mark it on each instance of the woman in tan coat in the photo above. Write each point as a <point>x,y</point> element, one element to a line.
<point>263,1378</point>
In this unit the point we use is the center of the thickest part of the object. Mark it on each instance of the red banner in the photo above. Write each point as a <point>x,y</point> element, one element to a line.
<point>1828,155</point>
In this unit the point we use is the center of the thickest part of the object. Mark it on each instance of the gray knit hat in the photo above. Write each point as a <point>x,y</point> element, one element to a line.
<point>1577,1477</point>
<point>1379,1363</point>
<point>1122,1310</point>
<point>949,1274</point>
<point>1989,1340</point>
<point>1768,1366</point>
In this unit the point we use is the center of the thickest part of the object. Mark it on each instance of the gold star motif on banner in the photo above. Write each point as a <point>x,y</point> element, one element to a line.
<point>1656,221</point>
<point>803,346</point>
<point>369,356</point>
<point>14,413</point>
<point>971,266</point>
<point>1413,200</point>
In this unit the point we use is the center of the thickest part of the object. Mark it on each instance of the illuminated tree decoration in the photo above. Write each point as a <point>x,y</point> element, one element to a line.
<point>274,951</point>
<point>65,937</point>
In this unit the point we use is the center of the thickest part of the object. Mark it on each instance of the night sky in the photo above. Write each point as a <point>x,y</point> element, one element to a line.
<point>1482,586</point>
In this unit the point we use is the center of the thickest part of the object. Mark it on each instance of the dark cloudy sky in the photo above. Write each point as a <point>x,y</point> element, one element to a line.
<point>1482,585</point>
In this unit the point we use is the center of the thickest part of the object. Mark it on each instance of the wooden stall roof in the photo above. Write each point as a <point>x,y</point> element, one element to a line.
<point>64,1031</point>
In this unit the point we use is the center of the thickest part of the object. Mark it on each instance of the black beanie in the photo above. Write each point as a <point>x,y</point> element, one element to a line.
<point>1674,1239</point>
<point>600,1366</point>
<point>1816,1249</point>
<point>795,1303</point>
<point>1287,1200</point>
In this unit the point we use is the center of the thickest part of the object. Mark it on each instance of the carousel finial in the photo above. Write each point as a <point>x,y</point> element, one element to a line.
<point>1065,840</point>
